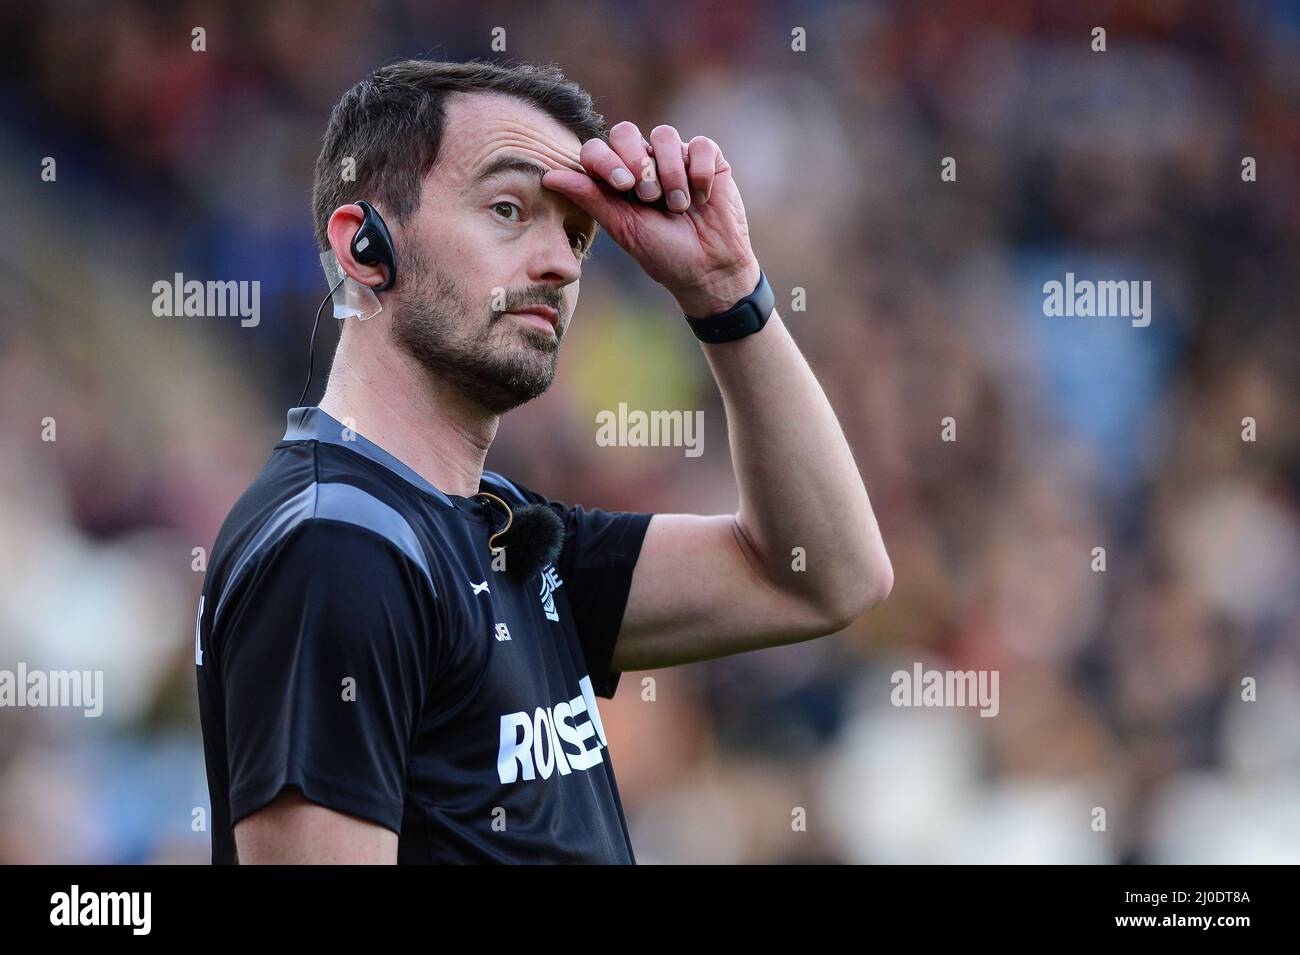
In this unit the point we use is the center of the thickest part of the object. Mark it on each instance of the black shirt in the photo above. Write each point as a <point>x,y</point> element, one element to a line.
<point>354,640</point>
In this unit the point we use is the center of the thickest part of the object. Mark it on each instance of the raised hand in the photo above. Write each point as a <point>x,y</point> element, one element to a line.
<point>699,249</point>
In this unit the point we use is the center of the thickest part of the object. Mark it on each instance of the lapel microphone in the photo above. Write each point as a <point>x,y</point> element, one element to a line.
<point>531,536</point>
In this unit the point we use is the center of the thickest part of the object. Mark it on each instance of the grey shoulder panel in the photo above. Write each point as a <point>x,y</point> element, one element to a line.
<point>341,502</point>
<point>352,505</point>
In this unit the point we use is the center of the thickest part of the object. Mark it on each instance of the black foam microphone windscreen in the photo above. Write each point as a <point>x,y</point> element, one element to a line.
<point>535,539</point>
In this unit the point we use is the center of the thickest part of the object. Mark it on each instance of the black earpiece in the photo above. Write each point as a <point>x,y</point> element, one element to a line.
<point>374,246</point>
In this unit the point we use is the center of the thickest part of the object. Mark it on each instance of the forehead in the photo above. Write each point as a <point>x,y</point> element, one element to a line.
<point>480,127</point>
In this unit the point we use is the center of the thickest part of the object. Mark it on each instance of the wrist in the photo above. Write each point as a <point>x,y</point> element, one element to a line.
<point>748,315</point>
<point>720,293</point>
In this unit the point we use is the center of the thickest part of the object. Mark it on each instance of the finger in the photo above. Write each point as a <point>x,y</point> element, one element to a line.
<point>702,166</point>
<point>625,139</point>
<point>604,164</point>
<point>667,145</point>
<point>607,208</point>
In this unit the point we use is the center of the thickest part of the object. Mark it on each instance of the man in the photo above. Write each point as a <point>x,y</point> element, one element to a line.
<point>373,687</point>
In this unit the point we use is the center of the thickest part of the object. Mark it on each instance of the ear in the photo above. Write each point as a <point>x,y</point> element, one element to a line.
<point>343,225</point>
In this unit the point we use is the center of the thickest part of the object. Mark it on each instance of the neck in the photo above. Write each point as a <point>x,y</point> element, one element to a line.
<point>395,402</point>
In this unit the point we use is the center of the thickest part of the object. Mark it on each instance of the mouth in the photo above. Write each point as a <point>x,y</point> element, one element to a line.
<point>539,316</point>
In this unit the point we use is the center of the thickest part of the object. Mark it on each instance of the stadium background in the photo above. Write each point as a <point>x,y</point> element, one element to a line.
<point>1119,689</point>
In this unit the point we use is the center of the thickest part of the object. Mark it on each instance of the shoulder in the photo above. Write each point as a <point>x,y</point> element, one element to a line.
<point>511,490</point>
<point>345,540</point>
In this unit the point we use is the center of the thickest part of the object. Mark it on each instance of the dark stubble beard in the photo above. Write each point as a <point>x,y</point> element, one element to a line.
<point>492,360</point>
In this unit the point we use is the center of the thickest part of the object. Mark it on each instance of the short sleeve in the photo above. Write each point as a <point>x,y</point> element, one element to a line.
<point>324,654</point>
<point>600,552</point>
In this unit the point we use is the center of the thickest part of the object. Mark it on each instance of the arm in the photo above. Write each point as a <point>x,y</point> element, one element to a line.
<point>293,831</point>
<point>324,665</point>
<point>709,586</point>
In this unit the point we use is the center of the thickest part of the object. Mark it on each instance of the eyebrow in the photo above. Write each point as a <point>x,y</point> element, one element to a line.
<point>504,165</point>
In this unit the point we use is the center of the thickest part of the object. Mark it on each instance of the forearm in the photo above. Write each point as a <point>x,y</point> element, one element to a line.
<point>799,485</point>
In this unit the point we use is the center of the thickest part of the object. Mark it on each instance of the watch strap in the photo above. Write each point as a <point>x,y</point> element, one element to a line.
<point>747,316</point>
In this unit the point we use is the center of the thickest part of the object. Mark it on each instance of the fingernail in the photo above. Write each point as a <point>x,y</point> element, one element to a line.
<point>648,190</point>
<point>622,178</point>
<point>677,200</point>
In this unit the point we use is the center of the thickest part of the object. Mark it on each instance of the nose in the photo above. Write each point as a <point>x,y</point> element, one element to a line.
<point>553,261</point>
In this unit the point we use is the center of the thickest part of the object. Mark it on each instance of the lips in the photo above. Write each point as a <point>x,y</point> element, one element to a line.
<point>544,312</point>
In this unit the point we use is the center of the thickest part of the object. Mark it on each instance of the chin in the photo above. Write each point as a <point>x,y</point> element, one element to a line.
<point>540,339</point>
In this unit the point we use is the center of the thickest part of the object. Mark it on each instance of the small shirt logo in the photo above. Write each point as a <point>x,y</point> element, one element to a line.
<point>479,588</point>
<point>503,632</point>
<point>551,582</point>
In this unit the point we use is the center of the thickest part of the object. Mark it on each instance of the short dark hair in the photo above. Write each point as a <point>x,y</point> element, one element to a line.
<point>390,124</point>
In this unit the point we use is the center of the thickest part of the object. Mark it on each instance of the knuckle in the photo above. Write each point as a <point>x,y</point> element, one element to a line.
<point>624,128</point>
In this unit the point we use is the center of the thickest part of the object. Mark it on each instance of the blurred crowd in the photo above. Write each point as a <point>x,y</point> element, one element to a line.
<point>1121,688</point>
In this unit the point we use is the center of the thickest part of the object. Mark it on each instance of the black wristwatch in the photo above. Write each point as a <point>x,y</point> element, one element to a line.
<point>747,316</point>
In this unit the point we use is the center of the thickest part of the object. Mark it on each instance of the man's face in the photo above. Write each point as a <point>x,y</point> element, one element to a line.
<point>487,241</point>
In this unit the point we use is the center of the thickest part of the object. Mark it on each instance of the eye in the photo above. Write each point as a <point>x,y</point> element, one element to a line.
<point>508,205</point>
<point>579,240</point>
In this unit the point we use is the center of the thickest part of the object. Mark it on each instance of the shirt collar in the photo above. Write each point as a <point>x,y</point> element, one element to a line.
<point>313,424</point>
